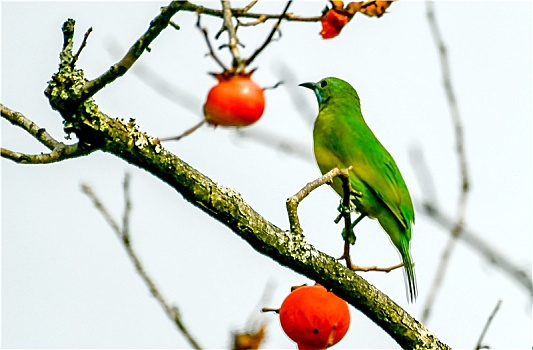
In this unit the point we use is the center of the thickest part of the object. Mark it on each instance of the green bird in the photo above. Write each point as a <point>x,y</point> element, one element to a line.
<point>343,139</point>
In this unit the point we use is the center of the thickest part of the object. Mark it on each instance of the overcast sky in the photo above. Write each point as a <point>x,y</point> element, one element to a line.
<point>66,281</point>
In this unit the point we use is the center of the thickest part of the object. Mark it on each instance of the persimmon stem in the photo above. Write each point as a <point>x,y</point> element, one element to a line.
<point>185,133</point>
<point>268,309</point>
<point>275,86</point>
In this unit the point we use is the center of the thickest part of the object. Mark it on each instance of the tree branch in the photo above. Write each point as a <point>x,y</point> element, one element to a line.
<point>157,25</point>
<point>60,151</point>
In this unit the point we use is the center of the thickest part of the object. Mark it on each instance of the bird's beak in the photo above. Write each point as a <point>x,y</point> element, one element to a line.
<point>311,86</point>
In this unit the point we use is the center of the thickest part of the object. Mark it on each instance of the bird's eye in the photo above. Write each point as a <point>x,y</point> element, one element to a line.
<point>323,83</point>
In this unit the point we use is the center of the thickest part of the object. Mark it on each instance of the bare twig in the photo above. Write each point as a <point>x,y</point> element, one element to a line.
<point>83,44</point>
<point>185,133</point>
<point>248,7</point>
<point>174,25</point>
<point>18,119</point>
<point>270,36</point>
<point>60,151</point>
<point>58,154</point>
<point>209,46</point>
<point>156,26</point>
<point>293,202</point>
<point>461,154</point>
<point>261,19</point>
<point>479,344</point>
<point>376,268</point>
<point>124,236</point>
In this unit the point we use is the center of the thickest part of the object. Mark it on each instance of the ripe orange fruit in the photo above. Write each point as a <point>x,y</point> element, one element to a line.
<point>314,318</point>
<point>235,101</point>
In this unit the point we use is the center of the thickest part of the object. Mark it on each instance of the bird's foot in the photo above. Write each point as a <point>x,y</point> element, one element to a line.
<point>344,210</point>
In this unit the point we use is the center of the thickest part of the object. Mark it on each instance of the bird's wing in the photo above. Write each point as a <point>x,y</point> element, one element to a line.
<point>381,174</point>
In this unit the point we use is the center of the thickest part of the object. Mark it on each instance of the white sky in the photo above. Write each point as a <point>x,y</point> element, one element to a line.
<point>66,282</point>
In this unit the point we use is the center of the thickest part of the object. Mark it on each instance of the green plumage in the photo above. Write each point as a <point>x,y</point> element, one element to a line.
<point>342,139</point>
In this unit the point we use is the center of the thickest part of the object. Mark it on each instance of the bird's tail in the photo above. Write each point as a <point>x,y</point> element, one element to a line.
<point>408,271</point>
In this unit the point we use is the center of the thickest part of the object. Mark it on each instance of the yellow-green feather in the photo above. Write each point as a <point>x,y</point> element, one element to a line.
<point>342,139</point>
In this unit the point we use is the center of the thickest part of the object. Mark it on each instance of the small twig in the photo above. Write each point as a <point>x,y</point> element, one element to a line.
<point>102,209</point>
<point>261,19</point>
<point>174,25</point>
<point>209,46</point>
<point>270,36</point>
<point>269,309</point>
<point>185,133</point>
<point>487,324</point>
<point>58,154</point>
<point>292,202</point>
<point>120,68</point>
<point>248,7</point>
<point>18,119</point>
<point>461,154</point>
<point>123,234</point>
<point>60,151</point>
<point>275,86</point>
<point>83,44</point>
<point>376,268</point>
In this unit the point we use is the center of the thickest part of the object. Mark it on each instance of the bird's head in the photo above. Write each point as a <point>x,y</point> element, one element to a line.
<point>331,87</point>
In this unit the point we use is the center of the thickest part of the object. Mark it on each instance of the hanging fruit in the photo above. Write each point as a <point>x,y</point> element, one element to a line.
<point>235,101</point>
<point>314,318</point>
